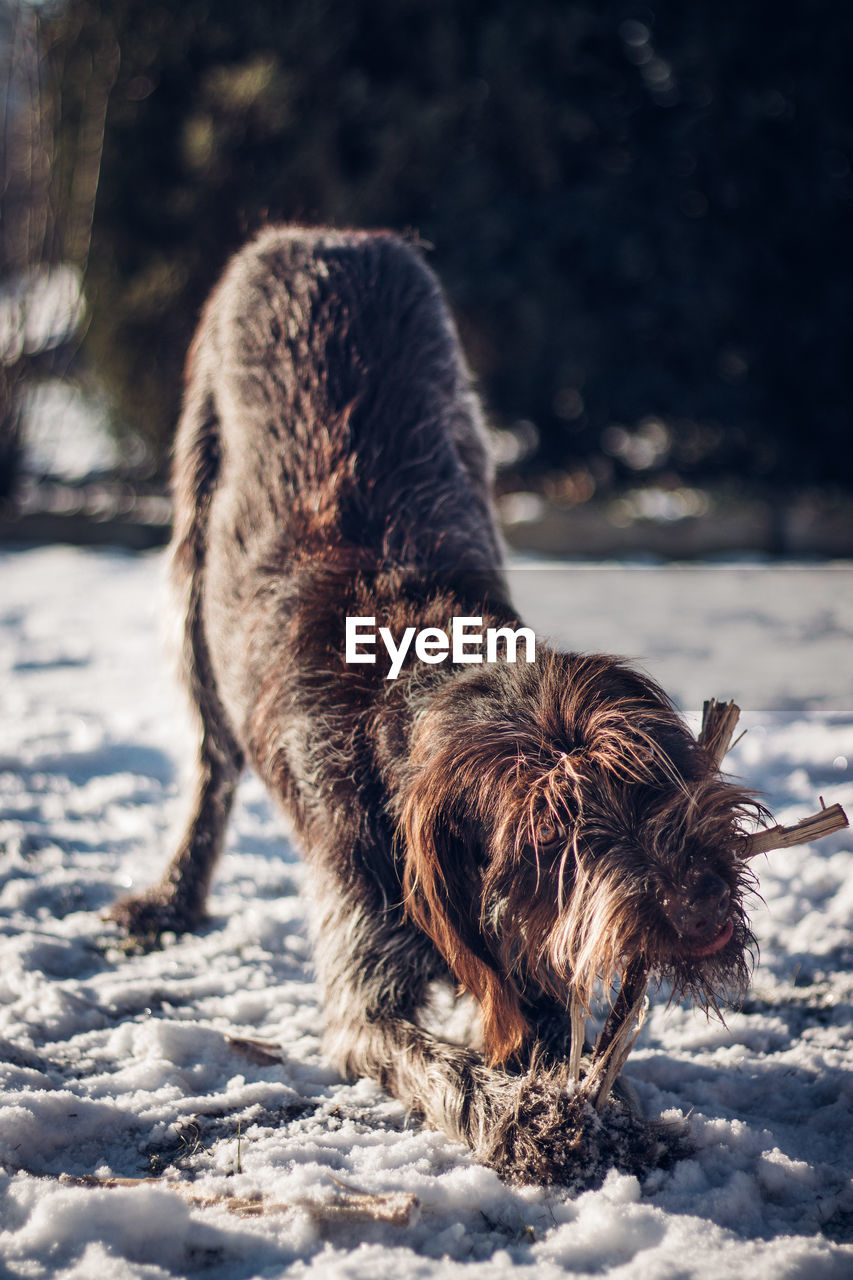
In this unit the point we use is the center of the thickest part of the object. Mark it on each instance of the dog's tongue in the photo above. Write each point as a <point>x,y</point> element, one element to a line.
<point>717,943</point>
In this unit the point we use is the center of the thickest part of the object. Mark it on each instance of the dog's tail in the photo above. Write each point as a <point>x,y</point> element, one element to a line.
<point>195,469</point>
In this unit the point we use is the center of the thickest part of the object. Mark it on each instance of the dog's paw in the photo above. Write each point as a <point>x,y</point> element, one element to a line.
<point>553,1136</point>
<point>146,917</point>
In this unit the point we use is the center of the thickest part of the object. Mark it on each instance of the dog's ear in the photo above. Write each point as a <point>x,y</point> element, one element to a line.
<point>442,885</point>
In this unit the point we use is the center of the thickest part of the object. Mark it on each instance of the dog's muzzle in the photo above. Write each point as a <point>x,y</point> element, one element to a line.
<point>701,915</point>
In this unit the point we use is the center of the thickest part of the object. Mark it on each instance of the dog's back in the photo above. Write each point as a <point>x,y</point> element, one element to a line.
<point>329,415</point>
<point>328,378</point>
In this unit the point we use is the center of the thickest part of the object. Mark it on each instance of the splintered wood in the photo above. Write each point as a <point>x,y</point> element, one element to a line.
<point>719,721</point>
<point>616,1039</point>
<point>620,1031</point>
<point>618,1034</point>
<point>814,827</point>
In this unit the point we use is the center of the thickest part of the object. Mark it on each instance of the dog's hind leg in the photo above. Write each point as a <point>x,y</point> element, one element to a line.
<point>176,902</point>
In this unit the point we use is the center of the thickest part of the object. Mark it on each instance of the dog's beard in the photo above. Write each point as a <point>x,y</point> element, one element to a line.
<point>585,950</point>
<point>601,931</point>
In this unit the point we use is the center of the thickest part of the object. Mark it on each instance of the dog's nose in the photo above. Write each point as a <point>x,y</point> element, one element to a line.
<point>698,912</point>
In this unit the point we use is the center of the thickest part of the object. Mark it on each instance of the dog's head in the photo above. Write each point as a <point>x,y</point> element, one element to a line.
<point>559,820</point>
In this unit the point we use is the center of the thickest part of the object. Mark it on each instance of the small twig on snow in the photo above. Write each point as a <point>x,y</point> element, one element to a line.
<point>349,1204</point>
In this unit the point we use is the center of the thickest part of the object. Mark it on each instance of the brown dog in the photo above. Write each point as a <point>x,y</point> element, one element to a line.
<point>524,828</point>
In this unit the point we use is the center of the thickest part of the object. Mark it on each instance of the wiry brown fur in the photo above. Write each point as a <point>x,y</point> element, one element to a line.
<point>600,749</point>
<point>522,830</point>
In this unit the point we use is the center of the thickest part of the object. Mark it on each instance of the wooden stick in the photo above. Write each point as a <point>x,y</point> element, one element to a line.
<point>578,1024</point>
<point>262,1052</point>
<point>814,827</point>
<point>349,1204</point>
<point>719,721</point>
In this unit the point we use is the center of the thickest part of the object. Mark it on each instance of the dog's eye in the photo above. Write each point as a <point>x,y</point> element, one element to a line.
<point>549,832</point>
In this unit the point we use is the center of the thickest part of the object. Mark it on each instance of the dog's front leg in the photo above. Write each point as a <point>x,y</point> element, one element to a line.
<point>530,1127</point>
<point>525,1123</point>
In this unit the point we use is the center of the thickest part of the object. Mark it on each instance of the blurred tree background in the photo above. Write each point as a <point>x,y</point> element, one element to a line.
<point>641,212</point>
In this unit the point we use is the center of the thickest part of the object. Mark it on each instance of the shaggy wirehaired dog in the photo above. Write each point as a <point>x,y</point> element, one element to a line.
<point>522,830</point>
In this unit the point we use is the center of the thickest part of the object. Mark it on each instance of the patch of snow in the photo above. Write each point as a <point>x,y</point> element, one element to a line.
<point>124,1065</point>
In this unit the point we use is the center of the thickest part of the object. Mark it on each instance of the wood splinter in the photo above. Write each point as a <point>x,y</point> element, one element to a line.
<point>618,1034</point>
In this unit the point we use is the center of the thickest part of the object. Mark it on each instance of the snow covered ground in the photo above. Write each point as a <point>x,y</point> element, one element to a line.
<point>131,1065</point>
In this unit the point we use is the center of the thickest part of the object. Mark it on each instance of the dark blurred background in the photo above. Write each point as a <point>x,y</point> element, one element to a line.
<point>641,214</point>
